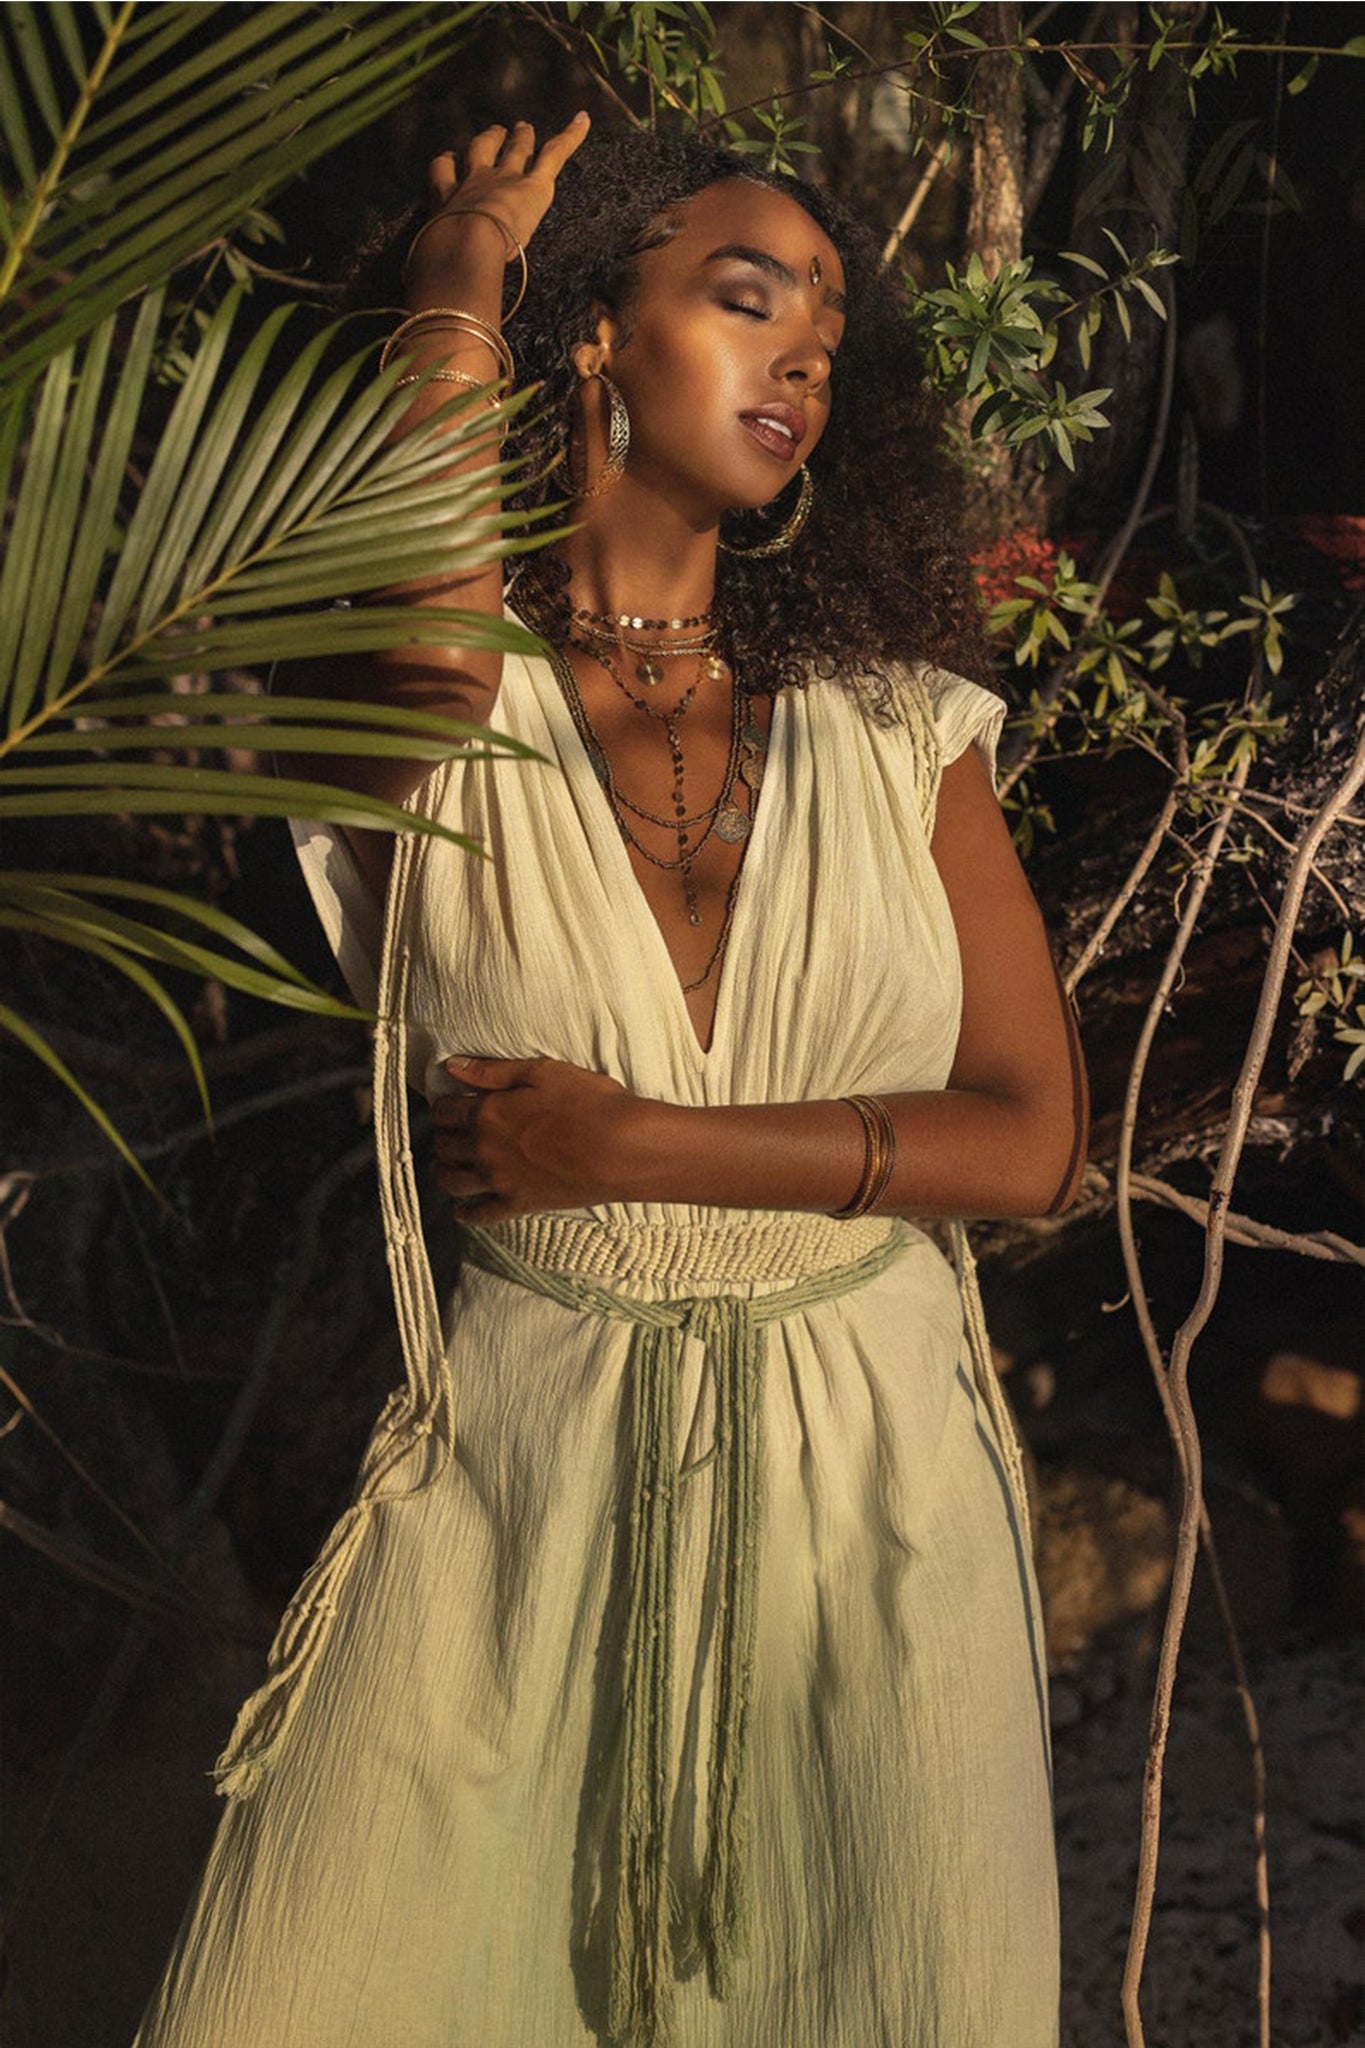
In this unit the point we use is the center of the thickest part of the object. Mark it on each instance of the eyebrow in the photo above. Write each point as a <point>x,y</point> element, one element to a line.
<point>774,267</point>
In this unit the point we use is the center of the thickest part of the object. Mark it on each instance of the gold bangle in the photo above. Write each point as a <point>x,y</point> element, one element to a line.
<point>466,323</point>
<point>879,1157</point>
<point>514,247</point>
<point>461,377</point>
<point>443,377</point>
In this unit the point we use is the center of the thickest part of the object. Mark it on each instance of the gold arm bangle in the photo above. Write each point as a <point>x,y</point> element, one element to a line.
<point>444,377</point>
<point>879,1157</point>
<point>463,322</point>
<point>513,246</point>
<point>460,377</point>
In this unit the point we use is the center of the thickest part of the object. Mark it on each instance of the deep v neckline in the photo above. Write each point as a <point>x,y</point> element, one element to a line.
<point>575,757</point>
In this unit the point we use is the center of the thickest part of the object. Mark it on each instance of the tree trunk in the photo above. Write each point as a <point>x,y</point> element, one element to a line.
<point>995,210</point>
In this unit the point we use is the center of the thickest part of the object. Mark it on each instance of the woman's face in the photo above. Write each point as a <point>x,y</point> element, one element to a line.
<point>725,365</point>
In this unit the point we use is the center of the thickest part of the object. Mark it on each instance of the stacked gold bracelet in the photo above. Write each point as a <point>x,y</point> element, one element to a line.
<point>464,323</point>
<point>879,1134</point>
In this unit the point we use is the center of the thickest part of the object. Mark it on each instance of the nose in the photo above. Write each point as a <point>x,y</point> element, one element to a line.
<point>804,362</point>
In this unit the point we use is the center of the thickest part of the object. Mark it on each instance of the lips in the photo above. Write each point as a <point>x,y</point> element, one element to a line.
<point>779,428</point>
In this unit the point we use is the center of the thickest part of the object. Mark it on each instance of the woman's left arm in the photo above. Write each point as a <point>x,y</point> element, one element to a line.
<point>1006,1137</point>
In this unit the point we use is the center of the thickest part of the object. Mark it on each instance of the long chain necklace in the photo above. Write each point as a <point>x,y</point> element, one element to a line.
<point>724,817</point>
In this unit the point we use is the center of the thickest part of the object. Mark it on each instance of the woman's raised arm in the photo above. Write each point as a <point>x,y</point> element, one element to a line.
<point>457,264</point>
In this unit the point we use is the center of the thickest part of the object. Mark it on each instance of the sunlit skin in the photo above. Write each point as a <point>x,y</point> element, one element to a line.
<point>741,310</point>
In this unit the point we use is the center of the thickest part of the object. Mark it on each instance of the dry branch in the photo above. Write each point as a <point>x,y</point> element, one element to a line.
<point>1247,1231</point>
<point>1177,1389</point>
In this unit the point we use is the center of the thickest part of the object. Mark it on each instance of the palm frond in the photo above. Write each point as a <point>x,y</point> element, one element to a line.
<point>33,1040</point>
<point>76,910</point>
<point>43,924</point>
<point>266,503</point>
<point>149,141</point>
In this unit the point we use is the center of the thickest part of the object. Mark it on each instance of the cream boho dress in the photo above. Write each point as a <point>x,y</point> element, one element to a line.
<point>676,1675</point>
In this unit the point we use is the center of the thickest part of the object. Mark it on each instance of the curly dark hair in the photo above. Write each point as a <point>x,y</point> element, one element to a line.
<point>880,574</point>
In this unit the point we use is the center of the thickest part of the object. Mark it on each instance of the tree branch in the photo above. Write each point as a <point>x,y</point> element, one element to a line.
<point>1177,1392</point>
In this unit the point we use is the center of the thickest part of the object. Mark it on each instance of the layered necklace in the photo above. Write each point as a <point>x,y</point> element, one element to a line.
<point>601,636</point>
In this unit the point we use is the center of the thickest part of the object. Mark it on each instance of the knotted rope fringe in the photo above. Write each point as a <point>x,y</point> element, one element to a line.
<point>420,1412</point>
<point>732,1329</point>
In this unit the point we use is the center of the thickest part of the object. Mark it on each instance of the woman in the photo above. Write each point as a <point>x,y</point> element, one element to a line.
<point>675,1675</point>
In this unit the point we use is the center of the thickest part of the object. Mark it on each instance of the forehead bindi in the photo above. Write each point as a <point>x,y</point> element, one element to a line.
<point>741,222</point>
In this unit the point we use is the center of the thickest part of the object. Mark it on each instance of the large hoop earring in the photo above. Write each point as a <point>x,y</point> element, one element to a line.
<point>618,445</point>
<point>778,543</point>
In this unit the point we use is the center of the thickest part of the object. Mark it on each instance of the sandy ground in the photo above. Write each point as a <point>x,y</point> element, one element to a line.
<point>1201,1975</point>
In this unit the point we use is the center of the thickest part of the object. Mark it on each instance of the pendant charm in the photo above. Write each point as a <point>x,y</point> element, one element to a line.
<point>715,668</point>
<point>649,672</point>
<point>751,772</point>
<point>732,824</point>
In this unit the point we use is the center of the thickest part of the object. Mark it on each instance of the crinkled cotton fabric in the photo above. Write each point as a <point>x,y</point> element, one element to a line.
<point>412,1853</point>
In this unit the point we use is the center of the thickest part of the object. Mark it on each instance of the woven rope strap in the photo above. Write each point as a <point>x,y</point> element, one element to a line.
<point>732,1329</point>
<point>412,1441</point>
<point>631,1252</point>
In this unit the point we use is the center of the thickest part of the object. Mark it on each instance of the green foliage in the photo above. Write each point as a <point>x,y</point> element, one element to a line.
<point>133,139</point>
<point>191,490</point>
<point>991,340</point>
<point>1096,682</point>
<point>1331,991</point>
<point>666,49</point>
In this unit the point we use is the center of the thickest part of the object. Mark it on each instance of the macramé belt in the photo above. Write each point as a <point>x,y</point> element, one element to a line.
<point>732,1327</point>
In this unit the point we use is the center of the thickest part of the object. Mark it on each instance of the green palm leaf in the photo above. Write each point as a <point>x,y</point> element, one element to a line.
<point>275,499</point>
<point>263,501</point>
<point>149,139</point>
<point>63,913</point>
<point>48,926</point>
<point>19,1027</point>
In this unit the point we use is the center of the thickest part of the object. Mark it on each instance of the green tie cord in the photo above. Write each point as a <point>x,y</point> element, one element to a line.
<point>732,1329</point>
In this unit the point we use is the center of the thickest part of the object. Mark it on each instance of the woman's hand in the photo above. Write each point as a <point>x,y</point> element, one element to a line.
<point>505,175</point>
<point>530,1135</point>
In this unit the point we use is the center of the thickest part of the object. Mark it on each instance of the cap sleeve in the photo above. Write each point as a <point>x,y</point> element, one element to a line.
<point>964,715</point>
<point>960,714</point>
<point>351,915</point>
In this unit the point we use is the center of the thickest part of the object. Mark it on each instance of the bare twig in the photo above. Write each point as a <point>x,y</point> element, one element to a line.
<point>543,18</point>
<point>152,1276</point>
<point>938,160</point>
<point>97,1571</point>
<point>1177,1390</point>
<point>1132,882</point>
<point>117,1062</point>
<point>86,1476</point>
<point>1050,108</point>
<point>1184,1434</point>
<point>1327,1245</point>
<point>1263,281</point>
<point>1067,50</point>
